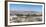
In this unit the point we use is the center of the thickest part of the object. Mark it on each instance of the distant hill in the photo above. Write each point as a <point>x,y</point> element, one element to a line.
<point>24,12</point>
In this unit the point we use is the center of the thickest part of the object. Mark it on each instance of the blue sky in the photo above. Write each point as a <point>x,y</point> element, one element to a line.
<point>24,7</point>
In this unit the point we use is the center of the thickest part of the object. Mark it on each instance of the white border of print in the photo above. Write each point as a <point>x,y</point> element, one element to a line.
<point>25,22</point>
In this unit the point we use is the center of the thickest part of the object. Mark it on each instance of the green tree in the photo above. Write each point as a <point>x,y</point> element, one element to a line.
<point>28,15</point>
<point>19,14</point>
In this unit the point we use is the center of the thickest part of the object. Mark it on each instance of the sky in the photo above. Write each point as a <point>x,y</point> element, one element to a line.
<point>24,7</point>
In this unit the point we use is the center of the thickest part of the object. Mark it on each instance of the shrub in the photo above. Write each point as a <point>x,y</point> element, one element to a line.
<point>19,14</point>
<point>33,15</point>
<point>27,15</point>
